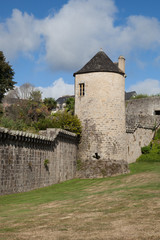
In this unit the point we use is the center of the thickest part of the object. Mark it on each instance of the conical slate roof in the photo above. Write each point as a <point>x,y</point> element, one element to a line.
<point>99,63</point>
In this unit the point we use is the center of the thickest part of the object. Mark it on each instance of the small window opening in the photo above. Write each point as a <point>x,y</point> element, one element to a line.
<point>157,112</point>
<point>81,89</point>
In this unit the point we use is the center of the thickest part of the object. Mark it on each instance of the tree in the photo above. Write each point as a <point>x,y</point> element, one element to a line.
<point>70,105</point>
<point>12,94</point>
<point>23,92</point>
<point>28,111</point>
<point>36,96</point>
<point>6,76</point>
<point>37,110</point>
<point>61,119</point>
<point>50,103</point>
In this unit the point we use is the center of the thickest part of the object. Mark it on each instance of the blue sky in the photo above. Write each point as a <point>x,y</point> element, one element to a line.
<point>47,41</point>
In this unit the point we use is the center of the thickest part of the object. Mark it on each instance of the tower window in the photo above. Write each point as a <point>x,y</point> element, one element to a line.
<point>81,89</point>
<point>157,112</point>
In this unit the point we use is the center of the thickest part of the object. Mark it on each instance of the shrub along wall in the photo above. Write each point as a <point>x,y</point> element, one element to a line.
<point>29,161</point>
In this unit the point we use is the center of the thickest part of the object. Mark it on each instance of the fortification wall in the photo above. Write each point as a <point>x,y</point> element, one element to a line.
<point>22,157</point>
<point>140,130</point>
<point>143,106</point>
<point>141,123</point>
<point>140,138</point>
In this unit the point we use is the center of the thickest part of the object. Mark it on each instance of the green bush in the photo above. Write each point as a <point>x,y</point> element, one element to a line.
<point>157,136</point>
<point>70,103</point>
<point>50,103</point>
<point>151,157</point>
<point>64,120</point>
<point>151,153</point>
<point>46,162</point>
<point>146,149</point>
<point>43,124</point>
<point>28,111</point>
<point>11,124</point>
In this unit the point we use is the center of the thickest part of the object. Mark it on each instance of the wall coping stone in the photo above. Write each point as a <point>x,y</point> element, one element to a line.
<point>43,136</point>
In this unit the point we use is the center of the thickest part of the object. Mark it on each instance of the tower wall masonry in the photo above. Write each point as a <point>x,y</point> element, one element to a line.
<point>102,112</point>
<point>23,156</point>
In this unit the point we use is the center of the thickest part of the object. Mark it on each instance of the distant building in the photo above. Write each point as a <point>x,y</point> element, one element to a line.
<point>129,95</point>
<point>61,102</point>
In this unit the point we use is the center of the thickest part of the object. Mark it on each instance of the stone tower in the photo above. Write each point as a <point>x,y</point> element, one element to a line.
<point>100,105</point>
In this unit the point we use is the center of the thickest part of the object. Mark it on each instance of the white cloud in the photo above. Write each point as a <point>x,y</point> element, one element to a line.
<point>139,32</point>
<point>58,89</point>
<point>148,86</point>
<point>19,34</point>
<point>76,32</point>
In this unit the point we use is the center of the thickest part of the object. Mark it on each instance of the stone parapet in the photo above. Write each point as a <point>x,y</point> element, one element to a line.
<point>23,158</point>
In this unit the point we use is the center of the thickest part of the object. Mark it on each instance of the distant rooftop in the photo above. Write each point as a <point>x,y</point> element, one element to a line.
<point>63,99</point>
<point>129,95</point>
<point>100,63</point>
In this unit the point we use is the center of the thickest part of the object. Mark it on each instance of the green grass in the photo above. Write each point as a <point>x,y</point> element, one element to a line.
<point>154,154</point>
<point>138,96</point>
<point>88,206</point>
<point>72,189</point>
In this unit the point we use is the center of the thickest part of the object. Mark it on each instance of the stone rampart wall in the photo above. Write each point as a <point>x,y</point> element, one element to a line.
<point>23,155</point>
<point>141,123</point>
<point>139,138</point>
<point>143,106</point>
<point>140,130</point>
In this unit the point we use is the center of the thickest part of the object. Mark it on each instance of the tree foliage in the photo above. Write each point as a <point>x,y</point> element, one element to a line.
<point>36,95</point>
<point>70,105</point>
<point>50,103</point>
<point>23,92</point>
<point>62,119</point>
<point>6,76</point>
<point>28,111</point>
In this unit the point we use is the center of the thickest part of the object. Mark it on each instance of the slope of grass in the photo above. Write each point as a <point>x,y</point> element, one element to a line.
<point>122,207</point>
<point>111,208</point>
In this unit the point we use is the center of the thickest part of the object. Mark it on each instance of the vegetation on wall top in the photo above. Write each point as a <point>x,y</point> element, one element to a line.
<point>62,119</point>
<point>138,96</point>
<point>33,114</point>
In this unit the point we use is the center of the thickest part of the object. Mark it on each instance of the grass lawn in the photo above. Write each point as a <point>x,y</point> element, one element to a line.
<point>122,207</point>
<point>125,207</point>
